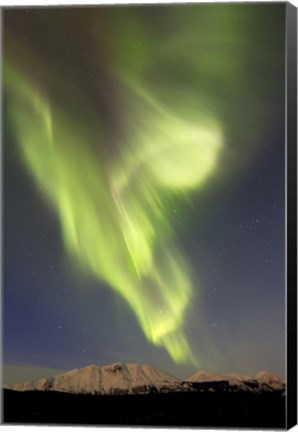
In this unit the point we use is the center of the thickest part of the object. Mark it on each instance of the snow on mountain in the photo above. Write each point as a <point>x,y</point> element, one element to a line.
<point>273,381</point>
<point>118,378</point>
<point>263,381</point>
<point>131,378</point>
<point>204,376</point>
<point>229,381</point>
<point>232,376</point>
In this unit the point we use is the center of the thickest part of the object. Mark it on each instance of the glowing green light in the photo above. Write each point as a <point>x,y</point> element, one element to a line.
<point>112,216</point>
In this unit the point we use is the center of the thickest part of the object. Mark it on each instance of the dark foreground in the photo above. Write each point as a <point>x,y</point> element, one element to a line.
<point>239,409</point>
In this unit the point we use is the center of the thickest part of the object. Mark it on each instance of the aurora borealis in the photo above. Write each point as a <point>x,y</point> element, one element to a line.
<point>135,132</point>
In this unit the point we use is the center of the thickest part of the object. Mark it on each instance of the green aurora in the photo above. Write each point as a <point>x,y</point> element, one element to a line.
<point>113,206</point>
<point>112,223</point>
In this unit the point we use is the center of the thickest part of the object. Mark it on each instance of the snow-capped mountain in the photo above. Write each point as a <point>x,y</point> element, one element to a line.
<point>262,381</point>
<point>273,381</point>
<point>204,376</point>
<point>132,378</point>
<point>118,378</point>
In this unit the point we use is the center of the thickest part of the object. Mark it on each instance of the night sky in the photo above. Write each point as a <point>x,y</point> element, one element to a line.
<point>144,188</point>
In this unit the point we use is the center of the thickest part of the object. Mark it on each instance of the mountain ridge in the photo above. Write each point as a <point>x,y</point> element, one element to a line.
<point>117,378</point>
<point>133,378</point>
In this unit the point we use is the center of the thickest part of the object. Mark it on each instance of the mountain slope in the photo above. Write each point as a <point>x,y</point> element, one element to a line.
<point>118,378</point>
<point>204,376</point>
<point>273,381</point>
<point>132,378</point>
<point>262,381</point>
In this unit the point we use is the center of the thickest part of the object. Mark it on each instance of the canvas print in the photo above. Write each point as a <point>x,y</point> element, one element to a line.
<point>144,215</point>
